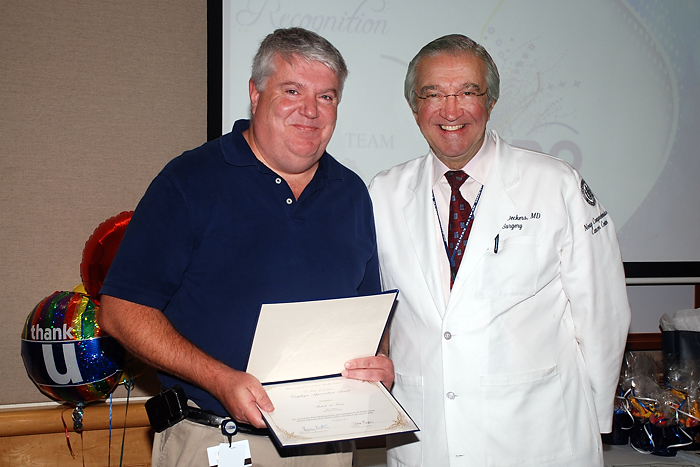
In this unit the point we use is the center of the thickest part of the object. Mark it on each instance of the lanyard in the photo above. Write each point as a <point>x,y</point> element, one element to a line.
<point>451,257</point>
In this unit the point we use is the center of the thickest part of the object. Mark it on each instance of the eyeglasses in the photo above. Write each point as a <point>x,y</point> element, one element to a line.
<point>438,99</point>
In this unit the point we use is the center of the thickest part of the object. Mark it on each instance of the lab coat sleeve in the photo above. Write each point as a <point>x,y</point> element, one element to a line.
<point>593,280</point>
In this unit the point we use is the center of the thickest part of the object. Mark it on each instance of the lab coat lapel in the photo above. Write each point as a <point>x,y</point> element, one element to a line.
<point>418,213</point>
<point>493,210</point>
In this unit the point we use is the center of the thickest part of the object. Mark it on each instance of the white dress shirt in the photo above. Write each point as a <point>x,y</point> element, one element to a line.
<point>477,169</point>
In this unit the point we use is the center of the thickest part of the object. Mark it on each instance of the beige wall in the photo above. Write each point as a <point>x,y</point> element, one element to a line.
<point>95,97</point>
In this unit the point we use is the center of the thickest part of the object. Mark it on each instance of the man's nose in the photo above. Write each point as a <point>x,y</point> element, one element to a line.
<point>451,108</point>
<point>309,107</point>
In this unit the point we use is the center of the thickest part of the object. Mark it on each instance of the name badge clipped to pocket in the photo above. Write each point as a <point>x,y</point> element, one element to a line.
<point>235,455</point>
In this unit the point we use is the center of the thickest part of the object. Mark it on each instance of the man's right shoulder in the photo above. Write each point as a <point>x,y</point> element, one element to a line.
<point>196,160</point>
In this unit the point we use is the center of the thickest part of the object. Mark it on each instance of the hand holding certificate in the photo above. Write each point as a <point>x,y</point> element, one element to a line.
<point>298,352</point>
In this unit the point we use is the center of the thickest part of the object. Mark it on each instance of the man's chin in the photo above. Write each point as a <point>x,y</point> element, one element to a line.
<point>303,160</point>
<point>307,149</point>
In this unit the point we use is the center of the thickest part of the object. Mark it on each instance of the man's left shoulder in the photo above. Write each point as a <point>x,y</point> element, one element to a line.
<point>536,160</point>
<point>549,173</point>
<point>340,173</point>
<point>528,167</point>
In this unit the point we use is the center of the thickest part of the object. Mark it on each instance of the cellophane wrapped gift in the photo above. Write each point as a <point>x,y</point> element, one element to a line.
<point>650,409</point>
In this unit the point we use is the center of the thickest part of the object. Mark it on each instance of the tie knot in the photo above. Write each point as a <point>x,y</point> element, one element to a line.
<point>456,178</point>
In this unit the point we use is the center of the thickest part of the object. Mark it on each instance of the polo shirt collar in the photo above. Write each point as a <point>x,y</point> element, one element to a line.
<point>235,147</point>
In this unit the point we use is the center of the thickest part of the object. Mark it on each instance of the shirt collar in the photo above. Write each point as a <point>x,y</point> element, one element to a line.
<point>477,168</point>
<point>235,147</point>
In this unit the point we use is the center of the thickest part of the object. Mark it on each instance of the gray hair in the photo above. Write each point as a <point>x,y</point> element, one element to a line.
<point>453,44</point>
<point>294,43</point>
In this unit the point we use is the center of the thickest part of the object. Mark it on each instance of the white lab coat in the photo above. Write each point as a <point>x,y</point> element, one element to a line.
<point>521,366</point>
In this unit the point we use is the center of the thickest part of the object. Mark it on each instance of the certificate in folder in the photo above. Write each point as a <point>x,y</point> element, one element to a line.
<point>298,352</point>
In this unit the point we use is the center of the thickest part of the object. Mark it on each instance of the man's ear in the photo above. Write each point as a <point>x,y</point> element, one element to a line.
<point>415,114</point>
<point>254,96</point>
<point>488,116</point>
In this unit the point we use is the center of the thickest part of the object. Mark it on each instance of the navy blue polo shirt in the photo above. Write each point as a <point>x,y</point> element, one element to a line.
<point>218,233</point>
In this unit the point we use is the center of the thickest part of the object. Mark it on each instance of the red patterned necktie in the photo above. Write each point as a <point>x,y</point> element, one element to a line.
<point>459,213</point>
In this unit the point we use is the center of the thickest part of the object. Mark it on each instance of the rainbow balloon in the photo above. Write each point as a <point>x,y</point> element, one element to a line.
<point>66,354</point>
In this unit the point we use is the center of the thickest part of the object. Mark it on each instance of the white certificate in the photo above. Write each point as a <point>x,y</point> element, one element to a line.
<point>302,347</point>
<point>313,339</point>
<point>332,409</point>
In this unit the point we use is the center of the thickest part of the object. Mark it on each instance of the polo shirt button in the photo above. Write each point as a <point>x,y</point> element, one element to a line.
<point>289,201</point>
<point>447,335</point>
<point>278,180</point>
<point>450,395</point>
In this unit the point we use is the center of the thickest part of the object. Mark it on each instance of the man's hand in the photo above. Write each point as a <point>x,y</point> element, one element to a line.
<point>243,396</point>
<point>379,368</point>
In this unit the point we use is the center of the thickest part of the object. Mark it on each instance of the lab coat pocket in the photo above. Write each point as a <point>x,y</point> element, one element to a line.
<point>525,418</point>
<point>514,270</point>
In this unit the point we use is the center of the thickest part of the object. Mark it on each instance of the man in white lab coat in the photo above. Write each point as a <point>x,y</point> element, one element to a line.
<point>509,332</point>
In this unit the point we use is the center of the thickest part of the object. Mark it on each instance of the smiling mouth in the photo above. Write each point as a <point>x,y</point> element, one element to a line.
<point>451,127</point>
<point>307,130</point>
<point>303,127</point>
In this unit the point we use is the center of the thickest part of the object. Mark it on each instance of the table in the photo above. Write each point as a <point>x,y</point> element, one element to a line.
<point>625,455</point>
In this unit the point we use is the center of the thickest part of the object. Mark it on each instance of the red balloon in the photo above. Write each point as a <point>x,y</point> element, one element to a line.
<point>99,252</point>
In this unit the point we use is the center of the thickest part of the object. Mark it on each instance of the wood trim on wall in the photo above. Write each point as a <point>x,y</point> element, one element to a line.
<point>37,436</point>
<point>644,341</point>
<point>43,420</point>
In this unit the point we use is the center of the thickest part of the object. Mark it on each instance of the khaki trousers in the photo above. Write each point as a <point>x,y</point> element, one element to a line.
<point>185,445</point>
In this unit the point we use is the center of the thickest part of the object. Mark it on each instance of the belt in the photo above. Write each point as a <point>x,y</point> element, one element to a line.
<point>170,407</point>
<point>211,419</point>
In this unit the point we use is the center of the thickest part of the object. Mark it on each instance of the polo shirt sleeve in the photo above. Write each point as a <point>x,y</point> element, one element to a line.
<point>155,251</point>
<point>371,283</point>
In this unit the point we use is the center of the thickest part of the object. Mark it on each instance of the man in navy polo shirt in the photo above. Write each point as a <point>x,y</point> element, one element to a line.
<point>261,215</point>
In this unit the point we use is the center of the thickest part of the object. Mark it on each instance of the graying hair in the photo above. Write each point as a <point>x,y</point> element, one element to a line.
<point>294,43</point>
<point>454,44</point>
